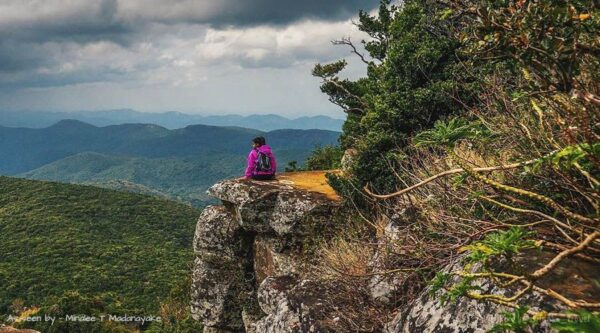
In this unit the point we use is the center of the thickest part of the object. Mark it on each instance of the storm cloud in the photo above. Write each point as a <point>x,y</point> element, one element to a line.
<point>47,47</point>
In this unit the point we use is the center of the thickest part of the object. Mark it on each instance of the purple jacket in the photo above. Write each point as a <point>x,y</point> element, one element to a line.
<point>253,157</point>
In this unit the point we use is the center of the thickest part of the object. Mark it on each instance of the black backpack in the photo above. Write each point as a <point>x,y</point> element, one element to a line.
<point>263,162</point>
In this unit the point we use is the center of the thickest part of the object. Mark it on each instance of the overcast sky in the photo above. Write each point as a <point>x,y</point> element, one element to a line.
<point>194,56</point>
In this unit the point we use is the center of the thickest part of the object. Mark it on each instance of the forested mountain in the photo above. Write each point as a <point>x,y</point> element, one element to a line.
<point>179,164</point>
<point>171,120</point>
<point>85,249</point>
<point>24,149</point>
<point>179,178</point>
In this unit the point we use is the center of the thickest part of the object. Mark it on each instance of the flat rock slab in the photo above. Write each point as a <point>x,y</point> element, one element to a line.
<point>283,206</point>
<point>314,182</point>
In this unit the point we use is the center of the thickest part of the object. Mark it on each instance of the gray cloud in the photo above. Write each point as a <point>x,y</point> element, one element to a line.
<point>244,13</point>
<point>155,43</point>
<point>110,19</point>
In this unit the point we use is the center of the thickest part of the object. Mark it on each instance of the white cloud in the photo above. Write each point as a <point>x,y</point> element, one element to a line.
<point>145,54</point>
<point>268,46</point>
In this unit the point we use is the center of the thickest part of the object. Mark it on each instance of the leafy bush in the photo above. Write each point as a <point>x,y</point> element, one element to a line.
<point>412,75</point>
<point>325,158</point>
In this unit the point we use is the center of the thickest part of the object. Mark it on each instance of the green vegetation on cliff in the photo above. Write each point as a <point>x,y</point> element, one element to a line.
<point>475,131</point>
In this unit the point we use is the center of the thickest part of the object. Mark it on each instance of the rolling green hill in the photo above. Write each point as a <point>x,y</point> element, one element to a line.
<point>25,149</point>
<point>177,164</point>
<point>178,178</point>
<point>183,179</point>
<point>127,249</point>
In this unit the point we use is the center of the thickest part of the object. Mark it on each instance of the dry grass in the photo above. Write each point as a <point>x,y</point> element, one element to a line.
<point>343,257</point>
<point>312,181</point>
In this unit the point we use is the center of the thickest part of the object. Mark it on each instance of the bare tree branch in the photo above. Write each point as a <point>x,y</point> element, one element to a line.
<point>348,42</point>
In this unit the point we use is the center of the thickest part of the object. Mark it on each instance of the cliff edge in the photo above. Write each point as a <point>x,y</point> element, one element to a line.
<point>252,271</point>
<point>248,252</point>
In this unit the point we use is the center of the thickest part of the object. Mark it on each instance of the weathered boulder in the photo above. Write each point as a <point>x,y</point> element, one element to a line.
<point>428,315</point>
<point>216,232</point>
<point>218,275</point>
<point>252,239</point>
<point>275,206</point>
<point>291,306</point>
<point>271,258</point>
<point>215,294</point>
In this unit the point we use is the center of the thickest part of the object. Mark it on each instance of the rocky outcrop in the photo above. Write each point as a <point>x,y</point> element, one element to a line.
<point>290,306</point>
<point>247,250</point>
<point>428,315</point>
<point>249,273</point>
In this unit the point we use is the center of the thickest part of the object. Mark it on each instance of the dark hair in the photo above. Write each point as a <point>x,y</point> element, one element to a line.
<point>259,140</point>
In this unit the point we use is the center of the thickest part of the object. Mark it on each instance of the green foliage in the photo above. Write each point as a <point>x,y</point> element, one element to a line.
<point>580,156</point>
<point>348,189</point>
<point>125,249</point>
<point>409,85</point>
<point>506,244</point>
<point>325,158</point>
<point>458,290</point>
<point>587,322</point>
<point>72,303</point>
<point>526,70</point>
<point>447,134</point>
<point>292,166</point>
<point>440,280</point>
<point>547,39</point>
<point>175,312</point>
<point>329,70</point>
<point>516,321</point>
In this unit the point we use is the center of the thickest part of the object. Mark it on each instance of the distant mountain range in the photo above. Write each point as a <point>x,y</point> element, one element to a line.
<point>179,164</point>
<point>170,120</point>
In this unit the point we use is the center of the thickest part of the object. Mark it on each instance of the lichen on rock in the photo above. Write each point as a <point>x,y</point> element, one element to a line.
<point>251,240</point>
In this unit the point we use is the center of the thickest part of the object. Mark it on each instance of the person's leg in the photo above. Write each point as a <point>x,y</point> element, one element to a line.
<point>263,177</point>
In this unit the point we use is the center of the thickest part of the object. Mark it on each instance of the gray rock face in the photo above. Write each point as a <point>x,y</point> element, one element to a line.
<point>216,232</point>
<point>290,306</point>
<point>271,259</point>
<point>250,239</point>
<point>265,207</point>
<point>427,315</point>
<point>215,290</point>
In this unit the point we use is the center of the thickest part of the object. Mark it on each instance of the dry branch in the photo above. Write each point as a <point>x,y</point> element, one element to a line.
<point>447,173</point>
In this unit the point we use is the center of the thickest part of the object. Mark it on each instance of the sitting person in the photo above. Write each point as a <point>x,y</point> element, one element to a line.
<point>261,162</point>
